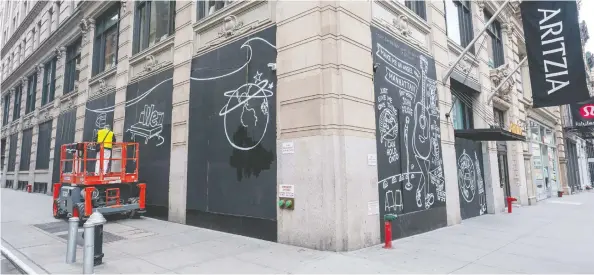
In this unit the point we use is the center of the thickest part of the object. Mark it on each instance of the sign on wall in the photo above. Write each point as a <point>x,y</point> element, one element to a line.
<point>471,184</point>
<point>554,50</point>
<point>148,122</point>
<point>582,113</point>
<point>409,160</point>
<point>232,136</point>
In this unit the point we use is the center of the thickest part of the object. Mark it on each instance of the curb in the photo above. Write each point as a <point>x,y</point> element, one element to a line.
<point>23,264</point>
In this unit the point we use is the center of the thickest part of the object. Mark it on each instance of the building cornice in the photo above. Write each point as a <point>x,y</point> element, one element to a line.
<point>23,26</point>
<point>48,46</point>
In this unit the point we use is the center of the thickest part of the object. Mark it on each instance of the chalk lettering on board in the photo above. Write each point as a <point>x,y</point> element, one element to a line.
<point>418,144</point>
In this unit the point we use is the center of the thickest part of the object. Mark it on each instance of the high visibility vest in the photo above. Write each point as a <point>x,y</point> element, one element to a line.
<point>105,136</point>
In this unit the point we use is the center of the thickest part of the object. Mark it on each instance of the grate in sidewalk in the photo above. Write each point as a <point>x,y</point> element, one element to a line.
<point>53,227</point>
<point>107,238</point>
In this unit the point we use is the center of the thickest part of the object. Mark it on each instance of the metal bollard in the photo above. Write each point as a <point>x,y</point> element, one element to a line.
<point>72,235</point>
<point>93,243</point>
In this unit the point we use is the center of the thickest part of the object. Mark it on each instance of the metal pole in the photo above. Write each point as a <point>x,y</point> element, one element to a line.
<point>16,262</point>
<point>476,37</point>
<point>89,249</point>
<point>505,80</point>
<point>72,234</point>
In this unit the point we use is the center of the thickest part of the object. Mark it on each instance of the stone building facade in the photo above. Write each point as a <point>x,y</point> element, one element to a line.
<point>318,90</point>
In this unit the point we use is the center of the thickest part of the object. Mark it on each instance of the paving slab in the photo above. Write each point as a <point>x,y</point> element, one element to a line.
<point>551,237</point>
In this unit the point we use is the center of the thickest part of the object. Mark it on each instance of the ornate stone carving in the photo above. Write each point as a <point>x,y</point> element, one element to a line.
<point>508,29</point>
<point>39,70</point>
<point>84,28</point>
<point>151,65</point>
<point>499,74</point>
<point>24,81</point>
<point>60,52</point>
<point>44,114</point>
<point>27,122</point>
<point>230,26</point>
<point>401,24</point>
<point>103,86</point>
<point>481,5</point>
<point>123,6</point>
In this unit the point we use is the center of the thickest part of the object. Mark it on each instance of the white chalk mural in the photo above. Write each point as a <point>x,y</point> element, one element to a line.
<point>410,165</point>
<point>470,179</point>
<point>149,125</point>
<point>417,95</point>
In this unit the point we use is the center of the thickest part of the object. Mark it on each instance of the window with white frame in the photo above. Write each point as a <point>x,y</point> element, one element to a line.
<point>154,22</point>
<point>459,22</point>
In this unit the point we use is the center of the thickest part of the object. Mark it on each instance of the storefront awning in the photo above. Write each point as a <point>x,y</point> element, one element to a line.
<point>488,134</point>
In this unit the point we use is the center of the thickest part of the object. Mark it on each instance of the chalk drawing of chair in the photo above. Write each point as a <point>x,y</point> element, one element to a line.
<point>149,125</point>
<point>393,201</point>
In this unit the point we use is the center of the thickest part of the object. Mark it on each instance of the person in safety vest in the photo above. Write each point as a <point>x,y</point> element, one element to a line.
<point>106,137</point>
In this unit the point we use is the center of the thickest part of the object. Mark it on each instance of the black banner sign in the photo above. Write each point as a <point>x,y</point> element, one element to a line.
<point>554,49</point>
<point>582,113</point>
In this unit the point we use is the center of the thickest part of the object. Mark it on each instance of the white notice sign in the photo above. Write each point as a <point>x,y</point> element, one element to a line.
<point>286,191</point>
<point>373,208</point>
<point>288,148</point>
<point>371,159</point>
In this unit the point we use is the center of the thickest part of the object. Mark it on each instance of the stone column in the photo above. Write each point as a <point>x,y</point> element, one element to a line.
<point>60,64</point>
<point>325,108</point>
<point>516,167</point>
<point>484,119</point>
<point>560,142</point>
<point>87,27</point>
<point>124,53</point>
<point>56,16</point>
<point>39,70</point>
<point>185,12</point>
<point>9,136</point>
<point>435,12</point>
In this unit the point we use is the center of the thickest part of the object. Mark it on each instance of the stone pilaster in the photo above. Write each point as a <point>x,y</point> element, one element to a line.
<point>122,72</point>
<point>435,17</point>
<point>87,27</point>
<point>560,142</point>
<point>60,64</point>
<point>337,116</point>
<point>483,116</point>
<point>182,63</point>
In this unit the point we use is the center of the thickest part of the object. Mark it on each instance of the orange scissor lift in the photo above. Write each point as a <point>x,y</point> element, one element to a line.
<point>81,190</point>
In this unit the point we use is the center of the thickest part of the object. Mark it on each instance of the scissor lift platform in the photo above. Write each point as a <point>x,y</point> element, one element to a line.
<point>85,188</point>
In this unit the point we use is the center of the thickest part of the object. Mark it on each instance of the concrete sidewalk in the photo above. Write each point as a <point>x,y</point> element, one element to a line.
<point>552,237</point>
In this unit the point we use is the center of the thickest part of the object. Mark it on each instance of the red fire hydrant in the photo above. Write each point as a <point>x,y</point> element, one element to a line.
<point>509,203</point>
<point>29,188</point>
<point>388,219</point>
